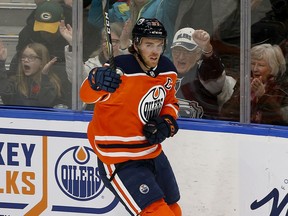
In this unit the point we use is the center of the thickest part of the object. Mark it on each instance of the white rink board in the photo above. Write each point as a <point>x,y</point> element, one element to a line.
<point>223,173</point>
<point>206,167</point>
<point>219,173</point>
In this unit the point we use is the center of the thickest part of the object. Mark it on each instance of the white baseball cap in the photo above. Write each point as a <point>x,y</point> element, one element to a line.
<point>183,38</point>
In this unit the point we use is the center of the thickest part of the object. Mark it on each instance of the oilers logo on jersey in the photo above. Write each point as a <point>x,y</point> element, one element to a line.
<point>151,103</point>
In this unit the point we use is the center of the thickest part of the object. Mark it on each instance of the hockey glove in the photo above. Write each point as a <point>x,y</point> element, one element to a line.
<point>158,129</point>
<point>104,78</point>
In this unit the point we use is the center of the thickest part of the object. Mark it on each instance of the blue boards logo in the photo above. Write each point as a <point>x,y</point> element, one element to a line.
<point>279,205</point>
<point>77,175</point>
<point>79,180</point>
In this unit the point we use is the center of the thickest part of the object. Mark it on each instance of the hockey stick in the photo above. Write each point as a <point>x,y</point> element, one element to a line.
<point>105,6</point>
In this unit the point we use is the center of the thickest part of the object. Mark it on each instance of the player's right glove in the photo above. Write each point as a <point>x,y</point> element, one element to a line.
<point>159,128</point>
<point>104,78</point>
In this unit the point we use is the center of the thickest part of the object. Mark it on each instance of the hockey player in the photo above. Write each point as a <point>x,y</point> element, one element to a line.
<point>134,113</point>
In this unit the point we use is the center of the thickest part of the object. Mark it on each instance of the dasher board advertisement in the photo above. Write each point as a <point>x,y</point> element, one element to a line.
<point>51,172</point>
<point>48,168</point>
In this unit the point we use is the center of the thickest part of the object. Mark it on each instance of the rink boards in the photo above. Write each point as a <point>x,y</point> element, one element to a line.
<point>48,168</point>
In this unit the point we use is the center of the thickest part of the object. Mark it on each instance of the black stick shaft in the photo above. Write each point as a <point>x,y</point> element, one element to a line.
<point>105,5</point>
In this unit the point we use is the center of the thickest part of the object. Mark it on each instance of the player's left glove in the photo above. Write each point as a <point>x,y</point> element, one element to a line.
<point>159,128</point>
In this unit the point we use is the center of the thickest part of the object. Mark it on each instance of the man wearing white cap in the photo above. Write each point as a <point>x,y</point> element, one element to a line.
<point>202,90</point>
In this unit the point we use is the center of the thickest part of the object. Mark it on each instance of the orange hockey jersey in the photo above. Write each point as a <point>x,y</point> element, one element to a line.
<point>115,131</point>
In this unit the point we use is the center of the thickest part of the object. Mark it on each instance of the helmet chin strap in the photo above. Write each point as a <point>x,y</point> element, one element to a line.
<point>151,70</point>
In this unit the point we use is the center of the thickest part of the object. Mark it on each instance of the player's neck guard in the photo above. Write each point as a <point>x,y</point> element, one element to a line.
<point>151,71</point>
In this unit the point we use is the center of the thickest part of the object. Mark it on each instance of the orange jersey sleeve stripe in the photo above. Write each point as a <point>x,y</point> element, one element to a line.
<point>127,154</point>
<point>120,138</point>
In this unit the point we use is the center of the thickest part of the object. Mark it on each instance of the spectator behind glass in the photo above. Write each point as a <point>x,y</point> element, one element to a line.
<point>202,90</point>
<point>269,97</point>
<point>44,30</point>
<point>34,84</point>
<point>90,32</point>
<point>67,12</point>
<point>120,42</point>
<point>165,11</point>
<point>265,29</point>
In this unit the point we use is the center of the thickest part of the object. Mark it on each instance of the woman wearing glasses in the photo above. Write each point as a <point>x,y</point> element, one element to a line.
<point>33,84</point>
<point>120,42</point>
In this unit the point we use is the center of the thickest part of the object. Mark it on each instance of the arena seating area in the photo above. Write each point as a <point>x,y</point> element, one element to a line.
<point>13,14</point>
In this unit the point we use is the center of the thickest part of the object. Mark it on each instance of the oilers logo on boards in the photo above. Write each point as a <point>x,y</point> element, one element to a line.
<point>76,174</point>
<point>151,103</point>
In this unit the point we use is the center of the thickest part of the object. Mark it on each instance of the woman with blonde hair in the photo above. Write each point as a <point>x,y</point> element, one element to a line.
<point>120,42</point>
<point>33,84</point>
<point>269,95</point>
<point>100,56</point>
